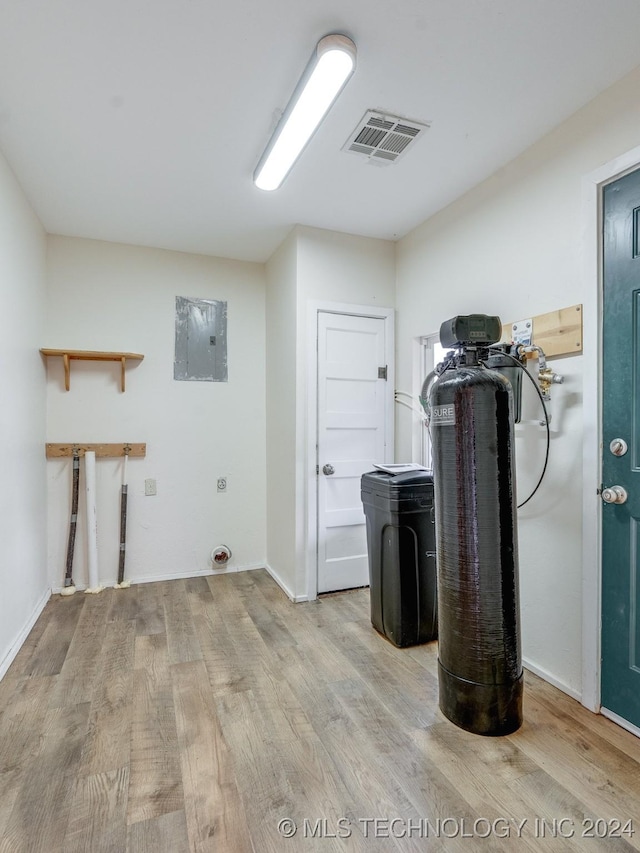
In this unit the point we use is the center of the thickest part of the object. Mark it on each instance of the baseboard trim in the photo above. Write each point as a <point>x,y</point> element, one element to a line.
<point>297,599</point>
<point>620,721</point>
<point>176,576</point>
<point>555,682</point>
<point>17,644</point>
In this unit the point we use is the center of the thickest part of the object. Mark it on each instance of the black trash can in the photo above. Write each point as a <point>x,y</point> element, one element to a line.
<point>402,555</point>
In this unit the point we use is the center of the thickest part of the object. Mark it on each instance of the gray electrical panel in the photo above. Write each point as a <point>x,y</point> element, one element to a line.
<point>201,340</point>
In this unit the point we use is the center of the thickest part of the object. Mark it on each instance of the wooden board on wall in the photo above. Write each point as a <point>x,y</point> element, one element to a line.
<point>114,450</point>
<point>556,333</point>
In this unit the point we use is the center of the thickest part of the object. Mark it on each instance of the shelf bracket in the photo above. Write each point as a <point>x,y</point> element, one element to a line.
<point>67,371</point>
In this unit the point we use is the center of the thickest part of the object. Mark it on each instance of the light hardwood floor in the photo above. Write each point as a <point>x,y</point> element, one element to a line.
<point>197,715</point>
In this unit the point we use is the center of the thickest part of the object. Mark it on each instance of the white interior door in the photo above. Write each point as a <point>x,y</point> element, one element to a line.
<point>353,399</point>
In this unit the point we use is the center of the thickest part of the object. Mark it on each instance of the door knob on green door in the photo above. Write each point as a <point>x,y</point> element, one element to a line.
<point>614,495</point>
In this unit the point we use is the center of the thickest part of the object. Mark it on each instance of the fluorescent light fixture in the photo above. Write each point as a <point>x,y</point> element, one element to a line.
<point>333,62</point>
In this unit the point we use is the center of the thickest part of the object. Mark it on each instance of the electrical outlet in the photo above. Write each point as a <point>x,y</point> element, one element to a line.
<point>150,487</point>
<point>222,484</point>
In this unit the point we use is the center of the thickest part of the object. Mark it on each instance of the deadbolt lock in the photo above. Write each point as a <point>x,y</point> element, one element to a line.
<point>618,447</point>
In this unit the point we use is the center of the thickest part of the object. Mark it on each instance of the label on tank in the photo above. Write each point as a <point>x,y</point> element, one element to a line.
<point>443,415</point>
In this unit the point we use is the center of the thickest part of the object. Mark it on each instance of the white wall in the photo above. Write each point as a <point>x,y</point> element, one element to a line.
<point>344,268</point>
<point>512,247</point>
<point>22,416</point>
<point>281,311</point>
<point>105,296</point>
<point>336,268</point>
<point>311,265</point>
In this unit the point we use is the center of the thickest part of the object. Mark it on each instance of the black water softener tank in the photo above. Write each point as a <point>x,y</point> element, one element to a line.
<point>470,409</point>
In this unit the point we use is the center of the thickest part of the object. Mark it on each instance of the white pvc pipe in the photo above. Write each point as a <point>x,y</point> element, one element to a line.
<point>92,526</point>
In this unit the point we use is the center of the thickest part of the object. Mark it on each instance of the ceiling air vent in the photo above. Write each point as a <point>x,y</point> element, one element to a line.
<point>384,138</point>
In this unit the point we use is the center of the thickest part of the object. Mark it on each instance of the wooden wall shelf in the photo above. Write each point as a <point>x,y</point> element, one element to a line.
<point>69,355</point>
<point>55,451</point>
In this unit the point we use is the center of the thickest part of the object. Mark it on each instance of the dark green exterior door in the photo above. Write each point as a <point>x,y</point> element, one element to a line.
<point>621,420</point>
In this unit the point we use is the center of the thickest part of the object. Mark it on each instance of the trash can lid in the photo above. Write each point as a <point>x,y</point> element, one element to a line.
<point>384,481</point>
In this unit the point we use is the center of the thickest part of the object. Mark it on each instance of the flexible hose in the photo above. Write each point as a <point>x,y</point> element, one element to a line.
<point>546,422</point>
<point>424,393</point>
<point>69,586</point>
<point>122,584</point>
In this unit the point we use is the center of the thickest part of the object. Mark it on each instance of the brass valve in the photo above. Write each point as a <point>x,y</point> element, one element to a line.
<point>547,378</point>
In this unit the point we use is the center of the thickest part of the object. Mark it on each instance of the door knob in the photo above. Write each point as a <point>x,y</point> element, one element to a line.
<point>614,495</point>
<point>328,469</point>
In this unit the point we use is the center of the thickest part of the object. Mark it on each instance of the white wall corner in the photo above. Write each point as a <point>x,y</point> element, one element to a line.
<point>18,642</point>
<point>546,676</point>
<point>284,587</point>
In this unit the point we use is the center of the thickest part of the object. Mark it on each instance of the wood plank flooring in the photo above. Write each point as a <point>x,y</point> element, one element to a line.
<point>199,715</point>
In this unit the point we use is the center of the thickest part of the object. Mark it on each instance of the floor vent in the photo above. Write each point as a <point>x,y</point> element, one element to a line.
<point>384,138</point>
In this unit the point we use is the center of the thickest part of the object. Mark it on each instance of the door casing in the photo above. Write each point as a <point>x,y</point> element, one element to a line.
<point>312,415</point>
<point>592,185</point>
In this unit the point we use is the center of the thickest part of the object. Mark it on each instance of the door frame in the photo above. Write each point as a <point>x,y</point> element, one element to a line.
<point>313,309</point>
<point>592,225</point>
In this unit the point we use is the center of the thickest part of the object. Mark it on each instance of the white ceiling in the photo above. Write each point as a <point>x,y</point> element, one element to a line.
<point>141,121</point>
